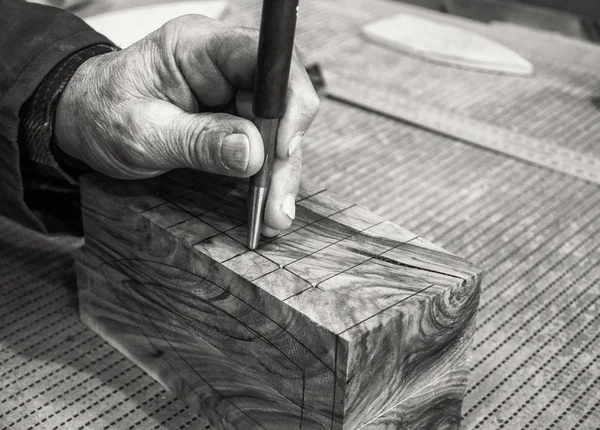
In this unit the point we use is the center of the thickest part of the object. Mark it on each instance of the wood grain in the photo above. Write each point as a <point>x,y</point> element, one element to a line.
<point>435,407</point>
<point>331,325</point>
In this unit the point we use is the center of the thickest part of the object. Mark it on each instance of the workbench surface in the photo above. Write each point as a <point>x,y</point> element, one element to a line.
<point>536,232</point>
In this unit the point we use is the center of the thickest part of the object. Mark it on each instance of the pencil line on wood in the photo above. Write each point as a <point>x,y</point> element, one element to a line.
<point>290,232</point>
<point>263,256</point>
<point>197,216</point>
<point>177,223</point>
<point>335,361</point>
<point>302,401</point>
<point>154,207</point>
<point>333,243</point>
<point>245,252</point>
<point>368,259</point>
<point>335,274</point>
<point>311,195</point>
<point>206,238</point>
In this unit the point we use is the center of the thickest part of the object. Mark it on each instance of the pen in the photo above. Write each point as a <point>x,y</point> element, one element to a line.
<point>275,48</point>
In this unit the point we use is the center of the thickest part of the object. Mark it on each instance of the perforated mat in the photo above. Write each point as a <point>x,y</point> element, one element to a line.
<point>536,360</point>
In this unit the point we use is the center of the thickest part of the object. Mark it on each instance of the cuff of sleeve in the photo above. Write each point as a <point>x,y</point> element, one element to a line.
<point>47,167</point>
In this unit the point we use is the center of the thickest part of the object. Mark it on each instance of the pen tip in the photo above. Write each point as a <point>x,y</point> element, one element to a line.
<point>257,199</point>
<point>252,244</point>
<point>253,237</point>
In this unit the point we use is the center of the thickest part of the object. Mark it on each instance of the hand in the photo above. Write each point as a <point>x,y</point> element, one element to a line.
<point>181,97</point>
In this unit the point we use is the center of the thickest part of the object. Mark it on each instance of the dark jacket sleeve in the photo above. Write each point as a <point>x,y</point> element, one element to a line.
<point>34,41</point>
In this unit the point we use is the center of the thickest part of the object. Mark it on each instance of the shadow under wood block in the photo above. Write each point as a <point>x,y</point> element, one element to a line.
<point>346,321</point>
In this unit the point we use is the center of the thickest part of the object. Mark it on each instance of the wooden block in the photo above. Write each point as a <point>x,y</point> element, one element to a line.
<point>346,321</point>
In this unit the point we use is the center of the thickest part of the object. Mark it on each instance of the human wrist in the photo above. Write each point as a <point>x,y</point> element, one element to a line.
<point>37,138</point>
<point>67,117</point>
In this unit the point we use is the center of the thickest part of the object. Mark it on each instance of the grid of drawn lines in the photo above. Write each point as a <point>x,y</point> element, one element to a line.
<point>306,255</point>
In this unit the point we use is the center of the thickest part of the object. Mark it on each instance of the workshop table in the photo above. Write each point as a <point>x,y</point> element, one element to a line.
<point>536,232</point>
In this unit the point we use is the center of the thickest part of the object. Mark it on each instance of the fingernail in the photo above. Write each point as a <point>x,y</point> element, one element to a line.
<point>294,143</point>
<point>288,206</point>
<point>235,152</point>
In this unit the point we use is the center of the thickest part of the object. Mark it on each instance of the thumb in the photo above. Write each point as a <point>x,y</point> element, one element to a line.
<point>213,142</point>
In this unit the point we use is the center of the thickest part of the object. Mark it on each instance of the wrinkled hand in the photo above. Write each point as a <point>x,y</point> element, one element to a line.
<point>181,97</point>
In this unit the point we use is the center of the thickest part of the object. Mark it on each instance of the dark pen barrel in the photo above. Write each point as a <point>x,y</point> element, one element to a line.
<point>275,48</point>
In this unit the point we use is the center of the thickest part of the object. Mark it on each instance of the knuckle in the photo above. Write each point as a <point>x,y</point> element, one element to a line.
<point>251,34</point>
<point>230,44</point>
<point>171,31</point>
<point>195,135</point>
<point>166,31</point>
<point>204,139</point>
<point>186,21</point>
<point>242,35</point>
<point>296,163</point>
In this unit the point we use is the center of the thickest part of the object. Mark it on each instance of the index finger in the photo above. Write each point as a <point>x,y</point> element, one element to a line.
<point>215,60</point>
<point>302,106</point>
